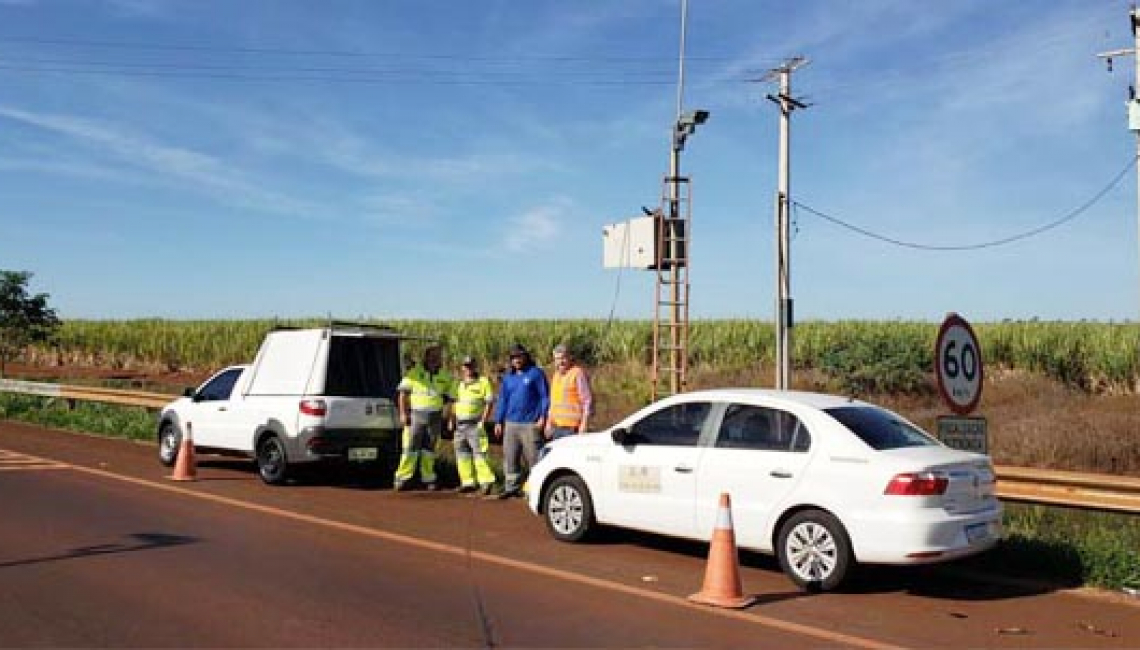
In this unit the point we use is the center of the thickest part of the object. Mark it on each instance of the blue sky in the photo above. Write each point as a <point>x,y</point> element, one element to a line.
<point>457,159</point>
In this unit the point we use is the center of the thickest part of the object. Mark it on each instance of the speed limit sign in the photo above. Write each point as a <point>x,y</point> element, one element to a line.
<point>958,365</point>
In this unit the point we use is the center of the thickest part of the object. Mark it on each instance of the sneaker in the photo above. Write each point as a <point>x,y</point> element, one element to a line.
<point>506,494</point>
<point>432,487</point>
<point>486,490</point>
<point>401,486</point>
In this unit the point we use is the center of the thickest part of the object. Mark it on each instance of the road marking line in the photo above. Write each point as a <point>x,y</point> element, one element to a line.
<point>11,461</point>
<point>439,547</point>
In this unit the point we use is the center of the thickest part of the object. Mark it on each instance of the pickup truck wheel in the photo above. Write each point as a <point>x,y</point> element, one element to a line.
<point>169,438</point>
<point>272,465</point>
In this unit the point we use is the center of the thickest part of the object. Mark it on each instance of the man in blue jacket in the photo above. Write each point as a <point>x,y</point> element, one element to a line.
<point>520,417</point>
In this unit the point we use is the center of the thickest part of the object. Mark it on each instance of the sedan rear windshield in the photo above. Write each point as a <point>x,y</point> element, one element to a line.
<point>880,428</point>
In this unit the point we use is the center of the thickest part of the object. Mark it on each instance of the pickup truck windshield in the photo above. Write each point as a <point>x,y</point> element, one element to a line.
<point>363,367</point>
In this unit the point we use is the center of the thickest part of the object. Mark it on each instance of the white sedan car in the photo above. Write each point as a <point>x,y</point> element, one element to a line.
<point>821,481</point>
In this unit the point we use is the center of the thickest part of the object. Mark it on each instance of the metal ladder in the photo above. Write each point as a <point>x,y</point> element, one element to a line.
<point>671,315</point>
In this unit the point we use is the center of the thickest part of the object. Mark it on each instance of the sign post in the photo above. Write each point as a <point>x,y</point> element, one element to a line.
<point>958,371</point>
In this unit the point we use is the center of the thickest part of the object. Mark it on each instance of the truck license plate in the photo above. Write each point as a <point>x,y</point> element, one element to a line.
<point>362,453</point>
<point>977,532</point>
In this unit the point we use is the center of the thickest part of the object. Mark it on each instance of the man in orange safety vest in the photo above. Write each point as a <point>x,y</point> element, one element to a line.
<point>571,400</point>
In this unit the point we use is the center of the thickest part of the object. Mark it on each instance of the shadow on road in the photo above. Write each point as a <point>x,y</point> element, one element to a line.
<point>143,542</point>
<point>954,581</point>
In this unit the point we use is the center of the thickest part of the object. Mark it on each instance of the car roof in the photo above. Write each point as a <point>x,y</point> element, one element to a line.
<point>772,396</point>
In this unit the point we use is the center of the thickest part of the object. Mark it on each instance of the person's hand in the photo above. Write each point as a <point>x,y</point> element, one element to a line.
<point>498,431</point>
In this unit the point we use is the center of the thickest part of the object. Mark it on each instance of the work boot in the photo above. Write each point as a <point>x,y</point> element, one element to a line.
<point>432,487</point>
<point>464,489</point>
<point>506,494</point>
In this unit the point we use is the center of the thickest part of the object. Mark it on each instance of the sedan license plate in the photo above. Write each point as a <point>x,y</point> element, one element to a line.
<point>977,532</point>
<point>362,453</point>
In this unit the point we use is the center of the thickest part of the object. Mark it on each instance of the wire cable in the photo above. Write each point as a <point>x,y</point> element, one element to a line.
<point>1069,216</point>
<point>185,47</point>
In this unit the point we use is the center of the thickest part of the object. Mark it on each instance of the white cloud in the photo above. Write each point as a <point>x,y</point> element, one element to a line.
<point>537,227</point>
<point>200,172</point>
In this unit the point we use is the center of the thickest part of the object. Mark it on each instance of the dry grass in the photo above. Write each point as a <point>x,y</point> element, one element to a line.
<point>1033,421</point>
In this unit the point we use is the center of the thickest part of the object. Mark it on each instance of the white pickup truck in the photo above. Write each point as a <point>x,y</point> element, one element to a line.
<point>310,395</point>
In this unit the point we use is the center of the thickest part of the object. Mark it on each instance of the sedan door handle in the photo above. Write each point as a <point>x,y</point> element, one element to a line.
<point>222,408</point>
<point>780,473</point>
<point>684,469</point>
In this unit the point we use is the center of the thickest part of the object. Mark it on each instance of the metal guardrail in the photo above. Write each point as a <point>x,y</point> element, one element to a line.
<point>88,393</point>
<point>1024,484</point>
<point>1055,487</point>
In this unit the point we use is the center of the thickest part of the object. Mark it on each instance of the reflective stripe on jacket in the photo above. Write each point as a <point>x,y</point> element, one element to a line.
<point>428,392</point>
<point>472,399</point>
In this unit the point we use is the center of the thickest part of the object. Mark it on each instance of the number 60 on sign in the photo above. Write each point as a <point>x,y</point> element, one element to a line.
<point>958,365</point>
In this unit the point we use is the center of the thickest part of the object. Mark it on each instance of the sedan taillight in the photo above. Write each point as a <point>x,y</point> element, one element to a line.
<point>917,484</point>
<point>314,407</point>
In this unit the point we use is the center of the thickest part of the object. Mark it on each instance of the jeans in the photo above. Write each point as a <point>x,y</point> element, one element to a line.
<point>521,441</point>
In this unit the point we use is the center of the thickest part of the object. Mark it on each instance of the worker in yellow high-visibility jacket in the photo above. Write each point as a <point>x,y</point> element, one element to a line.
<point>474,398</point>
<point>571,399</point>
<point>423,394</point>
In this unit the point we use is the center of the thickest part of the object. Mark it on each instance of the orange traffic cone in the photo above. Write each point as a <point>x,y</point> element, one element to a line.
<point>185,467</point>
<point>722,574</point>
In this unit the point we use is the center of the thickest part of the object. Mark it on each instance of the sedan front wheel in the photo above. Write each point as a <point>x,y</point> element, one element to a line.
<point>568,510</point>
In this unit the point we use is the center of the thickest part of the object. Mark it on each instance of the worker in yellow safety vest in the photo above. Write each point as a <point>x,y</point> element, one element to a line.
<point>571,400</point>
<point>423,394</point>
<point>474,398</point>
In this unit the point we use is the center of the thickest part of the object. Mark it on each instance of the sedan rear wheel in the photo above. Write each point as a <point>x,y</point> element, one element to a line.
<point>814,550</point>
<point>568,510</point>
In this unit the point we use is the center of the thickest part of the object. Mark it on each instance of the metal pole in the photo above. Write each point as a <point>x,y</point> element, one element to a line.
<point>675,236</point>
<point>783,300</point>
<point>1133,104</point>
<point>1134,17</point>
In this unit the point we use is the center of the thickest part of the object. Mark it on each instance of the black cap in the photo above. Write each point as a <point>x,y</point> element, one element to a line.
<point>518,350</point>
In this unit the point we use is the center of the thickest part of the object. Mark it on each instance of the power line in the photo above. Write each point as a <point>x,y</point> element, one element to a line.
<point>392,77</point>
<point>340,53</point>
<point>1069,216</point>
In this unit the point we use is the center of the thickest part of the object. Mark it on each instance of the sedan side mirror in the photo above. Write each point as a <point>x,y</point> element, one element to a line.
<point>620,436</point>
<point>188,392</point>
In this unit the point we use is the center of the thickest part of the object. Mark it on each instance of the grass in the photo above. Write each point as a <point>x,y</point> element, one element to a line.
<point>856,356</point>
<point>1068,546</point>
<point>132,423</point>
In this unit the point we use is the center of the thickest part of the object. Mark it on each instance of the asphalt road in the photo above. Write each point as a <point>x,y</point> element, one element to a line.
<point>97,549</point>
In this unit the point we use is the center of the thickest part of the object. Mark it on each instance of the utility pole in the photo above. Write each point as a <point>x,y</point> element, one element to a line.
<point>784,315</point>
<point>1133,102</point>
